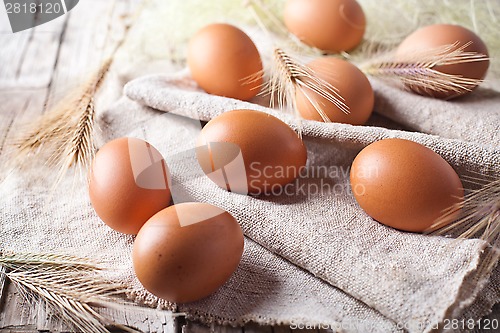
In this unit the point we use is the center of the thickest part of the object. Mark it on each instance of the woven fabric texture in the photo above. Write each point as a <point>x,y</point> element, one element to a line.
<point>313,257</point>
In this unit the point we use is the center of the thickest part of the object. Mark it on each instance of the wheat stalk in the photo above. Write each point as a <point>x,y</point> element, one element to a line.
<point>480,217</point>
<point>70,286</point>
<point>65,134</point>
<point>417,70</point>
<point>15,260</point>
<point>289,76</point>
<point>480,213</point>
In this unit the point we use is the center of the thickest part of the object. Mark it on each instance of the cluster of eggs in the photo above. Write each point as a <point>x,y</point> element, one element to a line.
<point>224,61</point>
<point>230,66</point>
<point>182,252</point>
<point>186,251</point>
<point>399,183</point>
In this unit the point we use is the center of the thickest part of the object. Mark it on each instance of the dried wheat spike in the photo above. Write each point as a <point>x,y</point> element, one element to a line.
<point>480,213</point>
<point>64,135</point>
<point>416,71</point>
<point>70,287</point>
<point>289,75</point>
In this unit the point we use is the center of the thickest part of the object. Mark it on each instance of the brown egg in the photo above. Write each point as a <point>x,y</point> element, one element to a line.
<point>128,184</point>
<point>404,185</point>
<point>222,59</point>
<point>440,35</point>
<point>329,25</point>
<point>246,151</point>
<point>187,251</point>
<point>352,85</point>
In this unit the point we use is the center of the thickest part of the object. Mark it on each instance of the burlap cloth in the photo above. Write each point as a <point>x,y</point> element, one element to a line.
<point>313,257</point>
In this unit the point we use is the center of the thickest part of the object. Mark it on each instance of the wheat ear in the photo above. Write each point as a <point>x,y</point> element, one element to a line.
<point>65,133</point>
<point>417,70</point>
<point>480,213</point>
<point>289,76</point>
<point>71,287</point>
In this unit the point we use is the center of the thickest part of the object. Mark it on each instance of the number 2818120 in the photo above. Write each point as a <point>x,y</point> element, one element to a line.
<point>484,324</point>
<point>33,7</point>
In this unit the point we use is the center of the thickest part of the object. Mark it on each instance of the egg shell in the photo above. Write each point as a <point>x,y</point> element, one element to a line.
<point>404,185</point>
<point>224,61</point>
<point>187,251</point>
<point>439,35</point>
<point>272,153</point>
<point>329,25</point>
<point>128,184</point>
<point>352,85</point>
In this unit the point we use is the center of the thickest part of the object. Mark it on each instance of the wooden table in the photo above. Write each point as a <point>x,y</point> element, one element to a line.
<point>37,67</point>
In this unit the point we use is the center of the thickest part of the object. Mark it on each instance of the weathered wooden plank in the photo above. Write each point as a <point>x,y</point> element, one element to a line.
<point>255,328</point>
<point>40,55</point>
<point>151,321</point>
<point>17,109</point>
<point>196,327</point>
<point>30,58</point>
<point>143,319</point>
<point>2,286</point>
<point>19,316</point>
<point>30,55</point>
<point>12,46</point>
<point>17,312</point>
<point>4,21</point>
<point>84,46</point>
<point>46,321</point>
<point>281,329</point>
<point>227,329</point>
